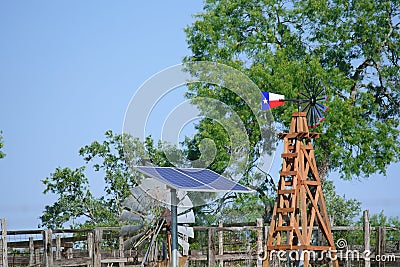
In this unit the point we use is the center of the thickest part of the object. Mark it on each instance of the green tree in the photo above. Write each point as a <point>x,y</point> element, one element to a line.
<point>344,211</point>
<point>76,204</point>
<point>380,219</point>
<point>351,46</point>
<point>2,155</point>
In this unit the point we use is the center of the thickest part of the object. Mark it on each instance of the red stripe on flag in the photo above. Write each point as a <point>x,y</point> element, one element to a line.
<point>276,103</point>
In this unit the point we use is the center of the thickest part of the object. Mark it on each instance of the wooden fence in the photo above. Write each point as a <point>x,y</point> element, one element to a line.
<point>221,245</point>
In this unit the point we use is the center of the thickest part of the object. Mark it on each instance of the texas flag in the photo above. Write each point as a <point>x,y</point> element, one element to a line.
<point>271,100</point>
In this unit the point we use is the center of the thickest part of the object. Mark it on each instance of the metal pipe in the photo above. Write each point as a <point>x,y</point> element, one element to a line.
<point>174,228</point>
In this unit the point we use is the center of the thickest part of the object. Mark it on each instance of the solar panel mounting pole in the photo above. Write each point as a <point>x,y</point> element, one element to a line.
<point>174,228</point>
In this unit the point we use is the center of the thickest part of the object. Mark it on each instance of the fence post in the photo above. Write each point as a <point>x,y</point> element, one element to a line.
<point>47,248</point>
<point>58,247</point>
<point>381,244</point>
<point>260,238</point>
<point>4,250</point>
<point>121,251</point>
<point>31,251</point>
<point>211,247</point>
<point>37,256</point>
<point>90,248</point>
<point>220,243</point>
<point>98,236</point>
<point>367,238</point>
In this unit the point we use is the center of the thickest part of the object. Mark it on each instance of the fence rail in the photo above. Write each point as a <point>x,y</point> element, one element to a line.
<point>221,245</point>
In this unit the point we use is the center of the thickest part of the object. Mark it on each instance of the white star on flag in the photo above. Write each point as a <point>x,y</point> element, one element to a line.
<point>271,100</point>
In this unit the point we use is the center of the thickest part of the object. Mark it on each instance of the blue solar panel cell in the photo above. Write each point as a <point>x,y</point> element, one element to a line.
<point>193,179</point>
<point>212,179</point>
<point>172,178</point>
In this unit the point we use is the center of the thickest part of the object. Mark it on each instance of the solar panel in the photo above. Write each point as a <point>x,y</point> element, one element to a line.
<point>192,179</point>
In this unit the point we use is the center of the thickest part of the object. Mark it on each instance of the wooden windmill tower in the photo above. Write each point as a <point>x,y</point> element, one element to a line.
<point>300,205</point>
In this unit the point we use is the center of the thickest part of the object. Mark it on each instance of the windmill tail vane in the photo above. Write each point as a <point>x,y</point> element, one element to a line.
<point>310,103</point>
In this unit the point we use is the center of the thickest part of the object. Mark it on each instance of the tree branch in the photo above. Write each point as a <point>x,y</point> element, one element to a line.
<point>356,77</point>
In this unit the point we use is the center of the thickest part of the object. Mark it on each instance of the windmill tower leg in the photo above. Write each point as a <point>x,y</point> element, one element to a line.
<point>300,204</point>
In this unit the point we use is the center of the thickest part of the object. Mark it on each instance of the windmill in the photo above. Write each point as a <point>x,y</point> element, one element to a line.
<point>148,215</point>
<point>300,205</point>
<point>310,101</point>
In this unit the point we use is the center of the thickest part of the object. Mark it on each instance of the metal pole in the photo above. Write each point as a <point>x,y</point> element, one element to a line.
<point>174,228</point>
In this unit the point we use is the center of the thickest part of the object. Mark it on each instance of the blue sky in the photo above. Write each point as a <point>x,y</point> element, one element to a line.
<point>68,70</point>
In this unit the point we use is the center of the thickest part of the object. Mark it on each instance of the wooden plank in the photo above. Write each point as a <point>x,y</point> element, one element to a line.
<point>115,260</point>
<point>325,226</point>
<point>260,237</point>
<point>37,256</point>
<point>367,235</point>
<point>381,244</point>
<point>39,243</point>
<point>297,231</point>
<point>24,232</point>
<point>312,165</point>
<point>47,248</point>
<point>97,236</point>
<point>72,262</point>
<point>303,212</point>
<point>90,244</point>
<point>225,257</point>
<point>121,250</point>
<point>305,182</point>
<point>286,191</point>
<point>58,247</point>
<point>349,228</point>
<point>270,238</point>
<point>220,243</point>
<point>299,135</point>
<point>289,183</point>
<point>225,228</point>
<point>313,135</point>
<point>325,215</point>
<point>31,251</point>
<point>280,247</point>
<point>288,173</point>
<point>308,147</point>
<point>70,254</point>
<point>298,114</point>
<point>312,220</point>
<point>289,155</point>
<point>285,210</point>
<point>4,250</point>
<point>284,228</point>
<point>300,125</point>
<point>211,247</point>
<point>62,231</point>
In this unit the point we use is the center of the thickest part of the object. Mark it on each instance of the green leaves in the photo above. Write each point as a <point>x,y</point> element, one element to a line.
<point>109,157</point>
<point>351,46</point>
<point>343,210</point>
<point>2,155</point>
<point>76,205</point>
<point>75,201</point>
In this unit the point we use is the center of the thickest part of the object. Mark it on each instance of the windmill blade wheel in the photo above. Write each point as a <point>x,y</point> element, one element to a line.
<point>143,215</point>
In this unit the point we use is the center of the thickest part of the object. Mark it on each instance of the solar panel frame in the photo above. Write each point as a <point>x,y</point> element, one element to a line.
<point>193,179</point>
